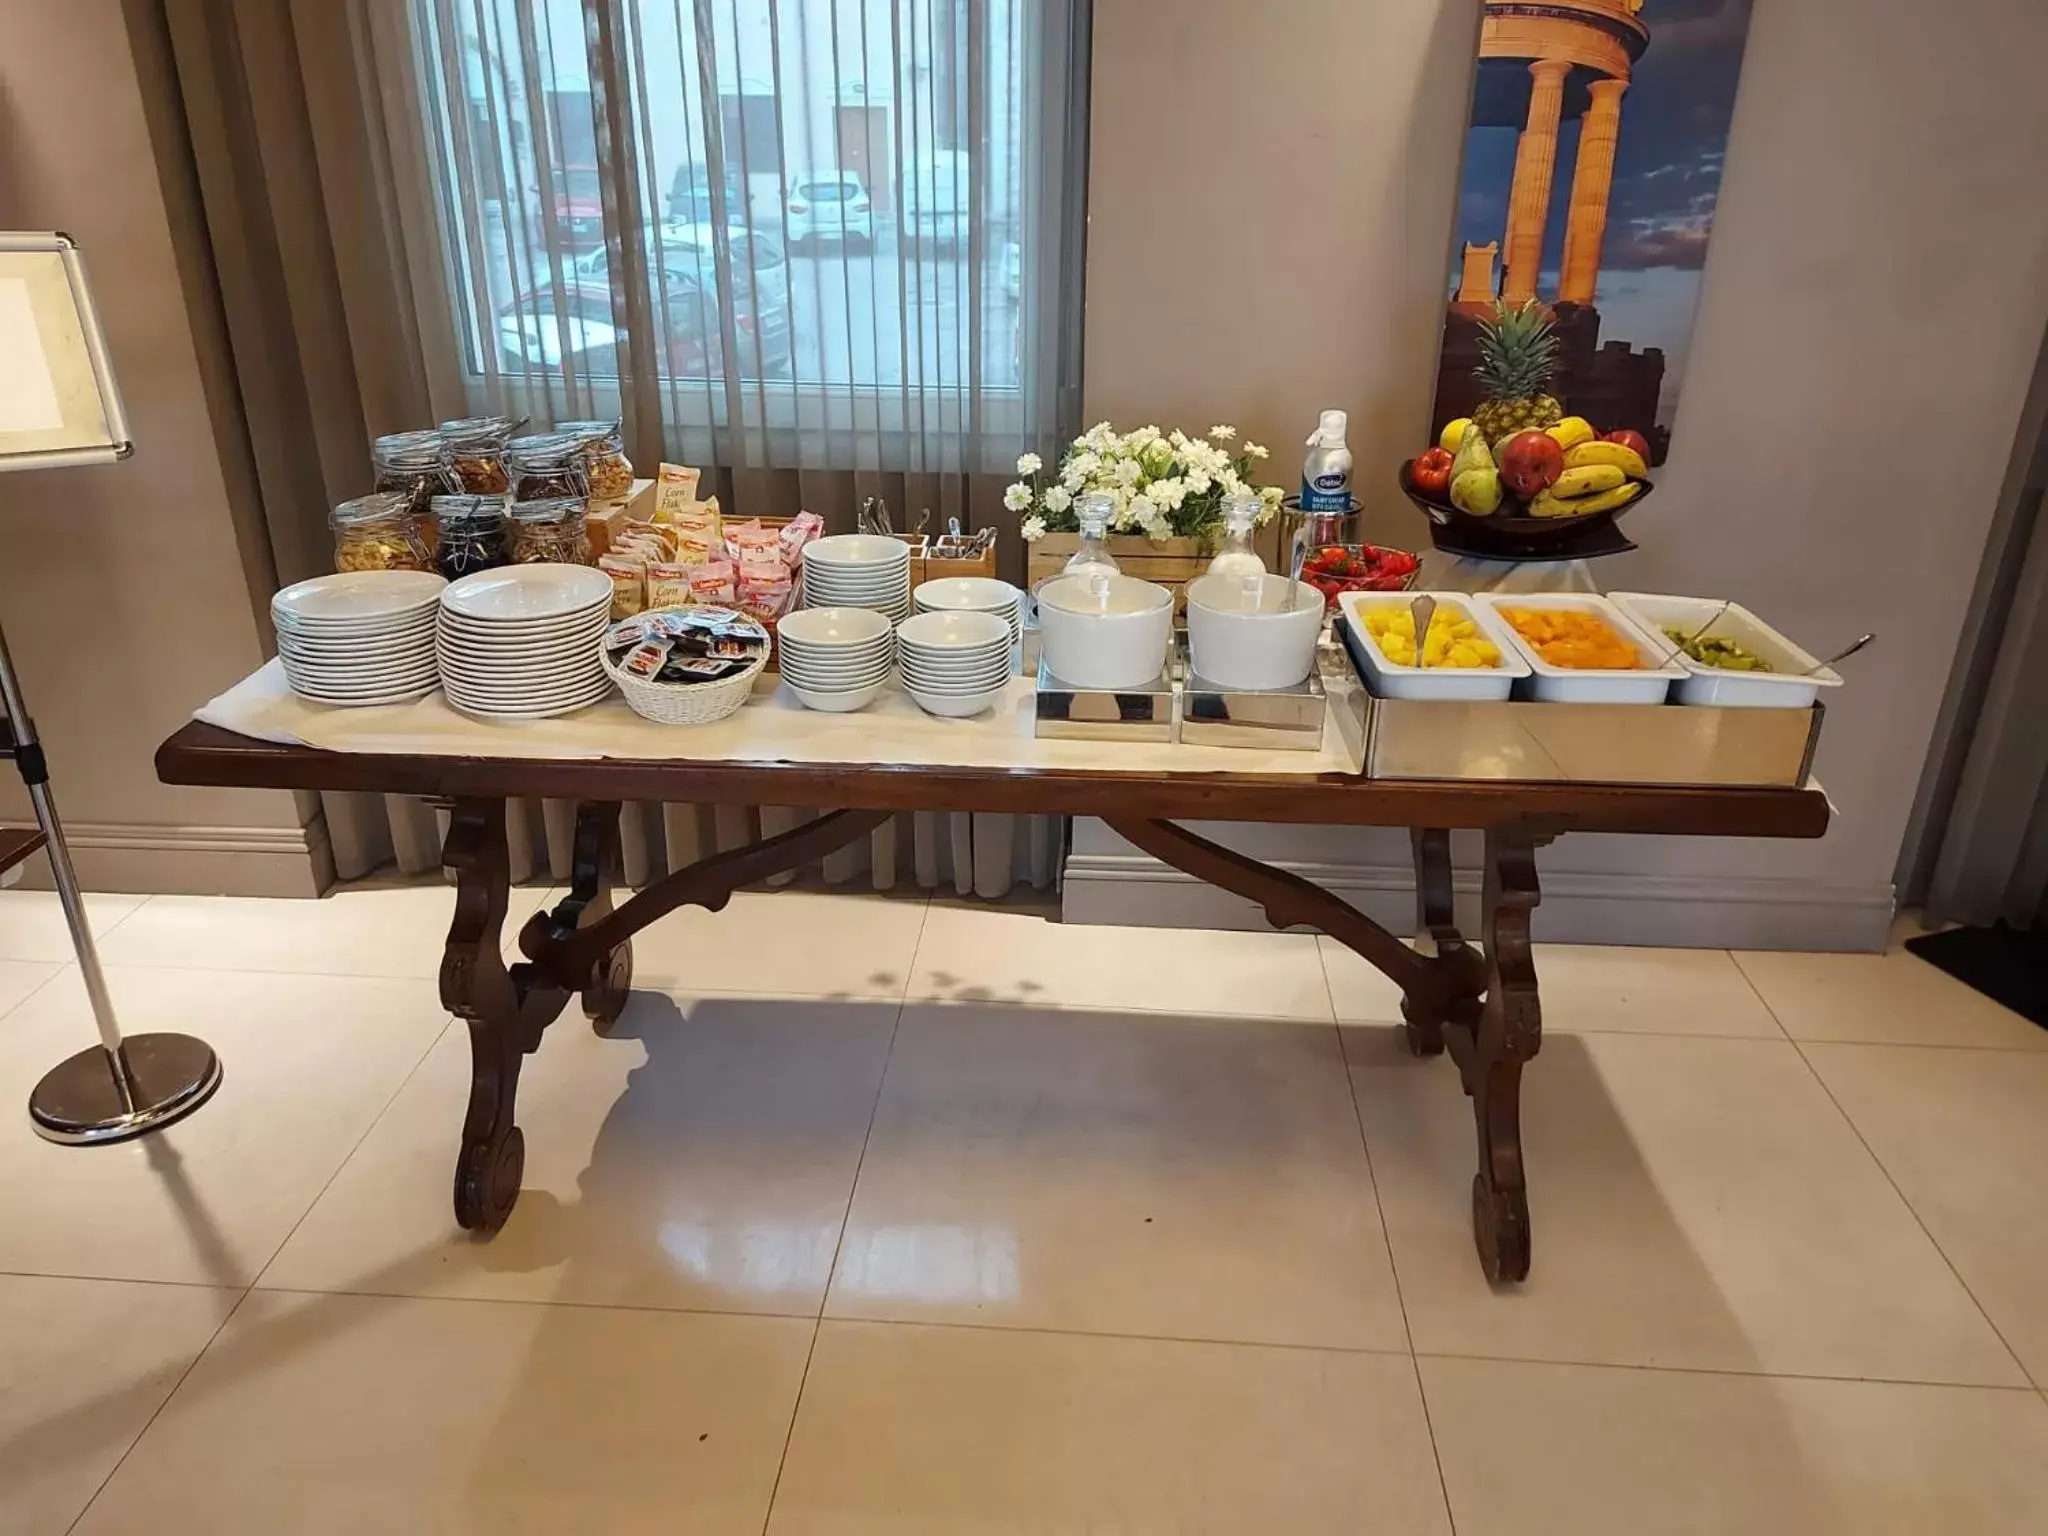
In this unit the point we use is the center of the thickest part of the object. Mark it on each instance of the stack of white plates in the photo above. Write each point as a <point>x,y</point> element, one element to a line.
<point>835,659</point>
<point>972,594</point>
<point>359,637</point>
<point>954,663</point>
<point>858,570</point>
<point>522,642</point>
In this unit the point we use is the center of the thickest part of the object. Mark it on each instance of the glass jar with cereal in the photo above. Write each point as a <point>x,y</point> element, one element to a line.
<point>550,531</point>
<point>605,463</point>
<point>378,532</point>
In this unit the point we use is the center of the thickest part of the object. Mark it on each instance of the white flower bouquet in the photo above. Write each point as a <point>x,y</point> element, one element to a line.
<point>1166,484</point>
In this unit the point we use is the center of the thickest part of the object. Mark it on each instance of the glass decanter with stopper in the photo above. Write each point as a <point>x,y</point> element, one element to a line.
<point>1237,560</point>
<point>1092,512</point>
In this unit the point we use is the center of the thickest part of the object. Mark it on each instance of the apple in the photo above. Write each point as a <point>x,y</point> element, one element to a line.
<point>1629,439</point>
<point>1430,473</point>
<point>1531,463</point>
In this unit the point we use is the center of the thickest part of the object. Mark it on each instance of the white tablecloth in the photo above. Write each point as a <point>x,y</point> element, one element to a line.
<point>771,728</point>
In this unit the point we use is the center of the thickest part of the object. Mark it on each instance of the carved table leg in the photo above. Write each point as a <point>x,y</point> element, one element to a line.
<point>1509,1033</point>
<point>505,1010</point>
<point>1434,917</point>
<point>594,868</point>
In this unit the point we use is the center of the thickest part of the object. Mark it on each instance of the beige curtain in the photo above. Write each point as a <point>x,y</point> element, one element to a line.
<point>419,209</point>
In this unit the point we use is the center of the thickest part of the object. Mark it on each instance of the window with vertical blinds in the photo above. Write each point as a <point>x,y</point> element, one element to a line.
<point>815,234</point>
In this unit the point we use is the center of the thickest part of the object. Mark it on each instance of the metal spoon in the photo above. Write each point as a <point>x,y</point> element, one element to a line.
<point>1423,609</point>
<point>1293,599</point>
<point>1842,655</point>
<point>1712,619</point>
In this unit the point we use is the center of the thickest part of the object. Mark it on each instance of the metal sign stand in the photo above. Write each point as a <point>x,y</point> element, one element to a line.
<point>118,1088</point>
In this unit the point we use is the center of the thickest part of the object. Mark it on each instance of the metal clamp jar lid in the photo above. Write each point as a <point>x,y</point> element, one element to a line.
<point>609,471</point>
<point>470,534</point>
<point>473,453</point>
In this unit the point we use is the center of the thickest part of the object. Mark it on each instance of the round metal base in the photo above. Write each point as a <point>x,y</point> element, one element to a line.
<point>78,1103</point>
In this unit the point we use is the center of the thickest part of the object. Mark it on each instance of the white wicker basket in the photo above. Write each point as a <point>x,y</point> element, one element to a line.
<point>683,703</point>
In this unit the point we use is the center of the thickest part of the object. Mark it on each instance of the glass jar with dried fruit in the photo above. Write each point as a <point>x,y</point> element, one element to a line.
<point>378,532</point>
<point>605,463</point>
<point>546,466</point>
<point>551,530</point>
<point>473,453</point>
<point>471,534</point>
<point>409,464</point>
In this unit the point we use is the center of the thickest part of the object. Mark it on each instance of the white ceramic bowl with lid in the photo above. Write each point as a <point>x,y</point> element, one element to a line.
<point>1248,634</point>
<point>1104,632</point>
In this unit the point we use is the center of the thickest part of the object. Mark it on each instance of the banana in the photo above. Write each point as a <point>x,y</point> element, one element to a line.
<point>1550,504</point>
<point>1620,455</point>
<point>1584,482</point>
<point>1572,431</point>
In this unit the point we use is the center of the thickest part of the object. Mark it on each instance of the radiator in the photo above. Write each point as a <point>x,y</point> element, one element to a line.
<point>971,853</point>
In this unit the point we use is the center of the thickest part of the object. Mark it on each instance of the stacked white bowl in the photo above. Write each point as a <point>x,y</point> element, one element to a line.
<point>359,637</point>
<point>523,642</point>
<point>858,570</point>
<point>972,594</point>
<point>954,663</point>
<point>835,659</point>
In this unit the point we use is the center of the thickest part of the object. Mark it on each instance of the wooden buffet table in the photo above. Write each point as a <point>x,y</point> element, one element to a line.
<point>1482,1004</point>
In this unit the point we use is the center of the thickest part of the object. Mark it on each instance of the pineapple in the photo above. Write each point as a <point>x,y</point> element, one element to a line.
<point>1517,354</point>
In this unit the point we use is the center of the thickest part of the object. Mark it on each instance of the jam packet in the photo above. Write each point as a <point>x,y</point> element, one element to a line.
<point>645,659</point>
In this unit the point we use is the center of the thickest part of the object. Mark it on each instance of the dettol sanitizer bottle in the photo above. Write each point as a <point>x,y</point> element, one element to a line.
<point>1326,472</point>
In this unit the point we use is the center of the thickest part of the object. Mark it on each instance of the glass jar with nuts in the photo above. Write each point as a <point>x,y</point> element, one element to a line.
<point>409,464</point>
<point>551,531</point>
<point>473,453</point>
<point>378,532</point>
<point>605,464</point>
<point>546,466</point>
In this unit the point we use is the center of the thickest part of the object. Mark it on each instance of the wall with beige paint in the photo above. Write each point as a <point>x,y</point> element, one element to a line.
<point>1874,302</point>
<point>124,589</point>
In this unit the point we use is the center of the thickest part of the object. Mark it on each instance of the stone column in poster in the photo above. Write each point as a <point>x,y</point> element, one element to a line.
<point>1535,163</point>
<point>1592,180</point>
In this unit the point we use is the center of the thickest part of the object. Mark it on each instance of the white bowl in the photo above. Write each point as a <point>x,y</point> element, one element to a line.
<point>856,549</point>
<point>836,701</point>
<point>1248,635</point>
<point>952,630</point>
<point>954,685</point>
<point>955,705</point>
<point>834,627</point>
<point>835,682</point>
<point>314,631</point>
<point>971,594</point>
<point>357,596</point>
<point>527,592</point>
<point>1104,632</point>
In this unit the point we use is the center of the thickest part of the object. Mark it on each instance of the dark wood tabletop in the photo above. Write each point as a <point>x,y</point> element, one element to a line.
<point>205,754</point>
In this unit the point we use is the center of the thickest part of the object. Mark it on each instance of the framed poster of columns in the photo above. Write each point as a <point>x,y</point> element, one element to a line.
<point>1591,172</point>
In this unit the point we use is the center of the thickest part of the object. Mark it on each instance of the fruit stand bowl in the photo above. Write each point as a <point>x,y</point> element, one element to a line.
<point>1507,535</point>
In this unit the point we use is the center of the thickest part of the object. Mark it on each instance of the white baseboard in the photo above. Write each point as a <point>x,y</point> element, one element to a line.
<point>194,861</point>
<point>1660,910</point>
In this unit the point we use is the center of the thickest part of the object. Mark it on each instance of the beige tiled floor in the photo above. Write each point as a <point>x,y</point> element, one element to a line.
<point>874,1216</point>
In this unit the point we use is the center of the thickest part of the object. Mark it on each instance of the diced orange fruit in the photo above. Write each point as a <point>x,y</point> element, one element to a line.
<point>1565,637</point>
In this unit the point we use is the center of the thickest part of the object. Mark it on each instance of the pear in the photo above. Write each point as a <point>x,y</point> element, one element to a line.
<point>1475,478</point>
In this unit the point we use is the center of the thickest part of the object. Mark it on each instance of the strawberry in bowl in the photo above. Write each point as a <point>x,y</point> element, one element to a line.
<point>1333,569</point>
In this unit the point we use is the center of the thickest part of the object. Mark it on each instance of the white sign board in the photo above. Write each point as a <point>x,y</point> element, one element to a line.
<point>58,402</point>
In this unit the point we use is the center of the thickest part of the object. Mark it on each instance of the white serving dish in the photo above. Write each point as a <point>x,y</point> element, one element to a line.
<point>838,701</point>
<point>1391,680</point>
<point>1647,684</point>
<point>1248,635</point>
<point>1781,689</point>
<point>381,681</point>
<point>1104,632</point>
<point>356,597</point>
<point>516,593</point>
<point>410,695</point>
<point>955,706</point>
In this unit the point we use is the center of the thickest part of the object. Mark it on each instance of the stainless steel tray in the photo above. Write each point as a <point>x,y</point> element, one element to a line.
<point>1485,740</point>
<point>1092,714</point>
<point>1290,719</point>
